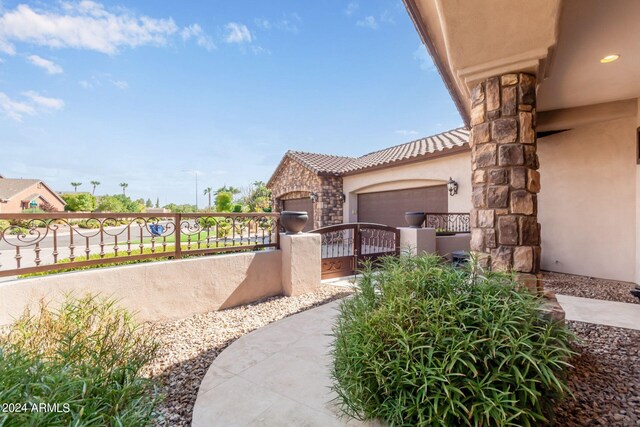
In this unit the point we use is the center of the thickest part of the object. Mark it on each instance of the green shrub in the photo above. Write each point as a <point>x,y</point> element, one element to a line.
<point>423,343</point>
<point>86,357</point>
<point>76,202</point>
<point>4,224</point>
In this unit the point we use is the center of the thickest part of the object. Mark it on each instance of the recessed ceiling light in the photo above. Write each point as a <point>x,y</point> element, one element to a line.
<point>609,58</point>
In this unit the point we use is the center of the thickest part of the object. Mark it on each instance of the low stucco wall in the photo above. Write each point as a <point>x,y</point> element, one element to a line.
<point>159,290</point>
<point>447,244</point>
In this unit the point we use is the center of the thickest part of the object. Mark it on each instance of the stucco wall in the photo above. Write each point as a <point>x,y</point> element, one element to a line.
<point>421,174</point>
<point>159,290</point>
<point>637,280</point>
<point>587,205</point>
<point>14,204</point>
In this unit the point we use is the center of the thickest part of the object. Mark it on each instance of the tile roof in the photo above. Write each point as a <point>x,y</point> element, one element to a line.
<point>11,187</point>
<point>424,147</point>
<point>322,163</point>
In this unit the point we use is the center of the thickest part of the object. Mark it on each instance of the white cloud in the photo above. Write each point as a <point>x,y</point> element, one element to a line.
<point>387,17</point>
<point>84,25</point>
<point>15,109</point>
<point>287,24</point>
<point>31,106</point>
<point>351,8</point>
<point>120,84</point>
<point>237,33</point>
<point>421,55</point>
<point>85,84</point>
<point>368,22</point>
<point>50,66</point>
<point>195,31</point>
<point>43,101</point>
<point>405,132</point>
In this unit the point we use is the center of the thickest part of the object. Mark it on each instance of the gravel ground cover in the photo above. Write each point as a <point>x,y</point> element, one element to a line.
<point>605,379</point>
<point>588,287</point>
<point>190,345</point>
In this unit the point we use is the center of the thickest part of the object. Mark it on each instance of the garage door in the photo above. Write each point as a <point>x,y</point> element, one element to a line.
<point>388,207</point>
<point>304,205</point>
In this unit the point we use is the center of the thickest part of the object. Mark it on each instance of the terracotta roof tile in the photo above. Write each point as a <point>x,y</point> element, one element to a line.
<point>339,165</point>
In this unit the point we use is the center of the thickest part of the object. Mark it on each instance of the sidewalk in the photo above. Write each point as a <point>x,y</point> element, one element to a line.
<point>279,375</point>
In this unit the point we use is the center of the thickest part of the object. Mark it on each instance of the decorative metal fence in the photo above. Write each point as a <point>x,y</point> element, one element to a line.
<point>448,222</point>
<point>58,241</point>
<point>346,246</point>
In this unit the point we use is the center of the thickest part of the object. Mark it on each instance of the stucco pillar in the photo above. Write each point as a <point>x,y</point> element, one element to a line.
<point>417,241</point>
<point>505,233</point>
<point>301,263</point>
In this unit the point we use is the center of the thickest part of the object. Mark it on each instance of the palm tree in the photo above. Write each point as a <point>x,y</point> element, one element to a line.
<point>75,186</point>
<point>124,186</point>
<point>207,192</point>
<point>95,184</point>
<point>230,189</point>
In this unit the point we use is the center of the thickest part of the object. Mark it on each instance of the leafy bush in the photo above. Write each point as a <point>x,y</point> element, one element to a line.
<point>87,355</point>
<point>79,202</point>
<point>119,203</point>
<point>224,201</point>
<point>4,224</point>
<point>422,343</point>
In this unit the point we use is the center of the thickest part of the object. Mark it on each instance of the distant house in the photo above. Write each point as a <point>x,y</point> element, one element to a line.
<point>377,187</point>
<point>17,195</point>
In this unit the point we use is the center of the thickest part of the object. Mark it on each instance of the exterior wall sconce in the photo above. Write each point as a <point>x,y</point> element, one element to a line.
<point>343,197</point>
<point>452,186</point>
<point>313,196</point>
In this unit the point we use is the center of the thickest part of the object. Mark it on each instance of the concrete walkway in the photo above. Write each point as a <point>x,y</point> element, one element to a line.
<point>279,375</point>
<point>275,376</point>
<point>610,313</point>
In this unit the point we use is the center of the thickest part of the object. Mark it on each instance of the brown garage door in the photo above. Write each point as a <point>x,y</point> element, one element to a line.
<point>388,207</point>
<point>304,205</point>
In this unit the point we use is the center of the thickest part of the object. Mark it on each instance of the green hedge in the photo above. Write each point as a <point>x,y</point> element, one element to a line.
<point>423,343</point>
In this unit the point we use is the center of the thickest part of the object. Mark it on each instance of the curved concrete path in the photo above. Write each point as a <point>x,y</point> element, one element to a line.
<point>277,375</point>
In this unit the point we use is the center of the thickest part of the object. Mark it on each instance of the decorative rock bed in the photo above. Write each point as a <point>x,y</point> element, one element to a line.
<point>190,345</point>
<point>605,379</point>
<point>588,287</point>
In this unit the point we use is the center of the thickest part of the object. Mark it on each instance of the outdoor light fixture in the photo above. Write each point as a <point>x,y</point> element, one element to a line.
<point>452,186</point>
<point>313,196</point>
<point>610,58</point>
<point>343,197</point>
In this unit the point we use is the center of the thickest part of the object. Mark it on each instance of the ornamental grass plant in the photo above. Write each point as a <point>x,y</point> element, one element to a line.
<point>423,343</point>
<point>79,365</point>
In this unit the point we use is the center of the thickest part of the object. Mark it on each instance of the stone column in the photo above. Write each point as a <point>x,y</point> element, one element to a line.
<point>505,233</point>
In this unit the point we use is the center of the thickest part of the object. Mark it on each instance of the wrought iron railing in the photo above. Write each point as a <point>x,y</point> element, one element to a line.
<point>448,222</point>
<point>59,241</point>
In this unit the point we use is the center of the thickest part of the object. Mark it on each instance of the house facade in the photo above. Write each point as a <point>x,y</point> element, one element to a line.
<point>550,91</point>
<point>377,187</point>
<point>17,195</point>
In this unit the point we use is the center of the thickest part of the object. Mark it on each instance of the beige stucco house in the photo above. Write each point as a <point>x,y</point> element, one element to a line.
<point>17,195</point>
<point>377,187</point>
<point>551,168</point>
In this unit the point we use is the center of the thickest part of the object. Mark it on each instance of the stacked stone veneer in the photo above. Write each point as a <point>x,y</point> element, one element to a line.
<point>295,181</point>
<point>504,229</point>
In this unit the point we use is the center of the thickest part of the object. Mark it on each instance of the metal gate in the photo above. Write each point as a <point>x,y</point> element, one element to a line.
<point>346,246</point>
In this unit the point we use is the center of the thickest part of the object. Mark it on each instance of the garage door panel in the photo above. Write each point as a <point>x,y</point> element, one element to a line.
<point>388,207</point>
<point>301,205</point>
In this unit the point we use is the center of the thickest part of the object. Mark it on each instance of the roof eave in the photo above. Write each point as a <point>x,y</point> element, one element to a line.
<point>414,14</point>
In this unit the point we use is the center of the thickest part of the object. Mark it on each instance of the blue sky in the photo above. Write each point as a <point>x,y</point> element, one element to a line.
<point>141,91</point>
